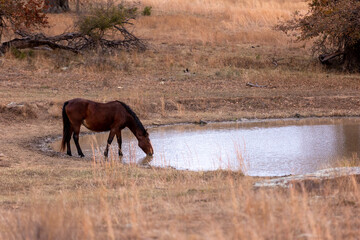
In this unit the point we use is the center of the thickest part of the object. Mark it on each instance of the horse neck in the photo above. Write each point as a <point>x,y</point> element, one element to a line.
<point>134,128</point>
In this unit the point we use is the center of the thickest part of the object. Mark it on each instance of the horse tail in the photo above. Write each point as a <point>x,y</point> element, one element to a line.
<point>66,130</point>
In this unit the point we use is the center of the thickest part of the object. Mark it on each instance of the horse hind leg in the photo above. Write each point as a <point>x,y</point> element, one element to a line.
<point>109,141</point>
<point>68,152</point>
<point>76,140</point>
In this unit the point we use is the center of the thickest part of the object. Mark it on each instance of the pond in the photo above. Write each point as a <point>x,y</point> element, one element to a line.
<point>258,148</point>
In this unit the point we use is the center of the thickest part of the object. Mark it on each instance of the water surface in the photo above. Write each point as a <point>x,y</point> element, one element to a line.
<point>260,148</point>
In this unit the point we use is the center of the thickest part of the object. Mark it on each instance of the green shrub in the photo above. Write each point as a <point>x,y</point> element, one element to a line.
<point>21,54</point>
<point>104,18</point>
<point>147,11</point>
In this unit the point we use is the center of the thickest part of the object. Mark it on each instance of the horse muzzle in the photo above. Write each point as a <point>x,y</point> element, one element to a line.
<point>151,152</point>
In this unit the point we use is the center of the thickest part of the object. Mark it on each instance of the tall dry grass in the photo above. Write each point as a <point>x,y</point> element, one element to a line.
<point>216,21</point>
<point>203,21</point>
<point>130,202</point>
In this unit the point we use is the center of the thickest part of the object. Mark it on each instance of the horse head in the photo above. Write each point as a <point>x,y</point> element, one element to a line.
<point>145,144</point>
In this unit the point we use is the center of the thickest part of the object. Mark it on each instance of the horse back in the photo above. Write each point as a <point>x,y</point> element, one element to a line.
<point>96,116</point>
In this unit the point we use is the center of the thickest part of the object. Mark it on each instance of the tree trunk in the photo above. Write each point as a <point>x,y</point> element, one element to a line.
<point>352,58</point>
<point>347,59</point>
<point>57,6</point>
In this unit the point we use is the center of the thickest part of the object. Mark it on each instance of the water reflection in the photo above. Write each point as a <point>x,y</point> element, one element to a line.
<point>263,148</point>
<point>145,161</point>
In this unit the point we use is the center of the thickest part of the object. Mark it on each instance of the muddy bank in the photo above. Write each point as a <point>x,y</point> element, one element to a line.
<point>317,181</point>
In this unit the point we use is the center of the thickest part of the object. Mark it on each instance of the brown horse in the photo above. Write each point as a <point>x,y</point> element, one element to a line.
<point>112,116</point>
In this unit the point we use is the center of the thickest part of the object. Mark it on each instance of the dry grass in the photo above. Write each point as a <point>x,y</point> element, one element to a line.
<point>348,162</point>
<point>115,201</point>
<point>204,21</point>
<point>217,22</point>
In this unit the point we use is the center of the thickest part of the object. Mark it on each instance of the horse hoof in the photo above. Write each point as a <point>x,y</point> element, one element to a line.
<point>82,155</point>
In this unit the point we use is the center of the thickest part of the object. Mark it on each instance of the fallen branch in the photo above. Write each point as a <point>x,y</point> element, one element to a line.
<point>129,37</point>
<point>30,43</point>
<point>75,42</point>
<point>325,58</point>
<point>276,61</point>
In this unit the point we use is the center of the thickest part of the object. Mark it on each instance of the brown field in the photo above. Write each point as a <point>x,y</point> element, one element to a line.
<point>224,44</point>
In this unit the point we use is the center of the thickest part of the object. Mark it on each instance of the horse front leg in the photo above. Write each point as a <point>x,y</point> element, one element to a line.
<point>109,141</point>
<point>119,140</point>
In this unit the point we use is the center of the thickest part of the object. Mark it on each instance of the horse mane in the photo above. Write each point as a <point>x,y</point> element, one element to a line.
<point>137,120</point>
